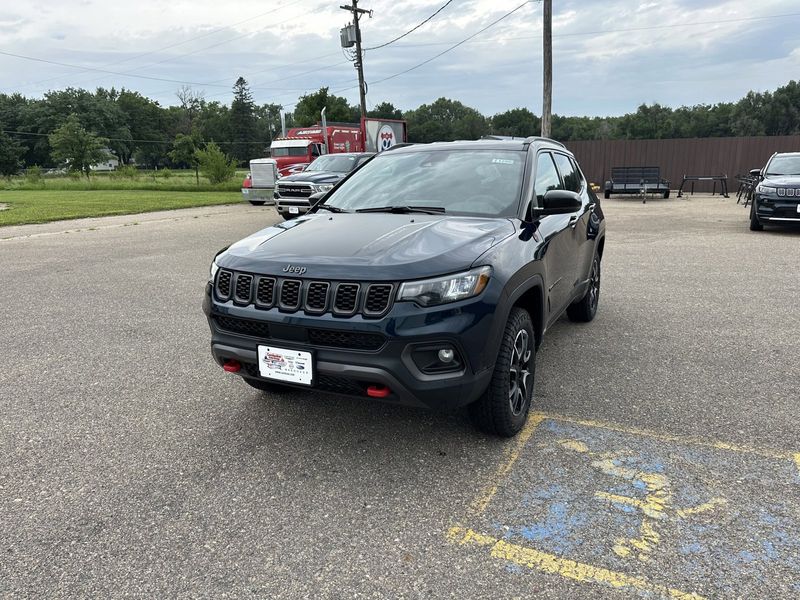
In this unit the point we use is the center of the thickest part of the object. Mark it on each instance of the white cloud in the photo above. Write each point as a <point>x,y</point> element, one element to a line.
<point>598,69</point>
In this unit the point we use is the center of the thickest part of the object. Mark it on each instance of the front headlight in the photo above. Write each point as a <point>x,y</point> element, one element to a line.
<point>213,271</point>
<point>321,187</point>
<point>766,189</point>
<point>450,288</point>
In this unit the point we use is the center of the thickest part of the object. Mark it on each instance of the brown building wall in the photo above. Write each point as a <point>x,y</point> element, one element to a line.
<point>676,157</point>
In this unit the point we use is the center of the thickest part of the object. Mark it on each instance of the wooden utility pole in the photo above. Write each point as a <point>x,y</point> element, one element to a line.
<point>362,86</point>
<point>547,59</point>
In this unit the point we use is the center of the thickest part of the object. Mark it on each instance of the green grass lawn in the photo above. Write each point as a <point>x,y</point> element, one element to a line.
<point>42,205</point>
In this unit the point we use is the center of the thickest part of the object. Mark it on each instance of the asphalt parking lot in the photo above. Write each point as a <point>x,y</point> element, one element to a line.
<point>663,459</point>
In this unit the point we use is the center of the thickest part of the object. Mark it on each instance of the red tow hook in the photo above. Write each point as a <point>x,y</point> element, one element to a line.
<point>232,366</point>
<point>378,391</point>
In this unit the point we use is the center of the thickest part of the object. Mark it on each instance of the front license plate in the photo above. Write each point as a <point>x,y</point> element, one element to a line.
<point>293,210</point>
<point>293,366</point>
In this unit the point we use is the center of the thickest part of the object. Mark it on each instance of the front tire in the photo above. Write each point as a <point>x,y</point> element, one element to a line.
<point>504,406</point>
<point>755,224</point>
<point>585,309</point>
<point>607,194</point>
<point>288,217</point>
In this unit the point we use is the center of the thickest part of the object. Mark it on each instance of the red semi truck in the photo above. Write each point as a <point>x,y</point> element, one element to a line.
<point>301,145</point>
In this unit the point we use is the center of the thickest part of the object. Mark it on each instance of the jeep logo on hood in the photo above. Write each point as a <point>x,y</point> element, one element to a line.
<point>293,269</point>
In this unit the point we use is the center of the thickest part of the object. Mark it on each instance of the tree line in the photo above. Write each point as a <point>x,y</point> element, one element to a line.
<point>132,127</point>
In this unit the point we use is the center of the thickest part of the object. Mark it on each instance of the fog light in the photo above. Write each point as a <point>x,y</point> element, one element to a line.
<point>446,355</point>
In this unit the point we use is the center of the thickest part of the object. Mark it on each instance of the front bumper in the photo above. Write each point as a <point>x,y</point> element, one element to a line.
<point>776,210</point>
<point>350,370</point>
<point>285,205</point>
<point>257,195</point>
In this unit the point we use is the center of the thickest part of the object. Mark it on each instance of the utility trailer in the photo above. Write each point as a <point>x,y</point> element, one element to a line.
<point>259,184</point>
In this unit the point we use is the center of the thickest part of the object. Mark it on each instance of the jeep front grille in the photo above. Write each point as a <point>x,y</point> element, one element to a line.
<point>224,284</point>
<point>290,294</point>
<point>243,291</point>
<point>379,296</point>
<point>317,296</point>
<point>265,292</point>
<point>346,300</point>
<point>342,298</point>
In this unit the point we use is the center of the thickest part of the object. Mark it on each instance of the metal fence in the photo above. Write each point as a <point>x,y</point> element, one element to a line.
<point>679,157</point>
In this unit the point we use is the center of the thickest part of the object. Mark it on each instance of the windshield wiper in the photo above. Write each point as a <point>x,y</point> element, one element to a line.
<point>428,210</point>
<point>333,209</point>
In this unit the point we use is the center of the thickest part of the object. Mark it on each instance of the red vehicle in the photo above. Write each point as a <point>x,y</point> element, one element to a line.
<point>302,145</point>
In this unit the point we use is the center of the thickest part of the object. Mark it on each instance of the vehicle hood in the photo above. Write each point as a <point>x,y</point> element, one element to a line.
<point>314,177</point>
<point>374,246</point>
<point>788,180</point>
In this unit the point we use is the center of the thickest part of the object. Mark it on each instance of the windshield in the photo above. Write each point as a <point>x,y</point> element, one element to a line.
<point>331,162</point>
<point>296,151</point>
<point>465,182</point>
<point>784,165</point>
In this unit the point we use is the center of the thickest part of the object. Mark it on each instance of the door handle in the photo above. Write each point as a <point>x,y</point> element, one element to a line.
<point>573,220</point>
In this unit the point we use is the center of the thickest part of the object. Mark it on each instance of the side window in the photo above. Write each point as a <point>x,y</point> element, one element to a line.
<point>578,175</point>
<point>546,176</point>
<point>570,175</point>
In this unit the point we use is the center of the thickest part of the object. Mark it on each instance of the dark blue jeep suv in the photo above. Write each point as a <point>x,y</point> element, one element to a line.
<point>428,277</point>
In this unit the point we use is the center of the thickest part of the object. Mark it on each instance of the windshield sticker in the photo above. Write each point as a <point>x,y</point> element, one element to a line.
<point>503,161</point>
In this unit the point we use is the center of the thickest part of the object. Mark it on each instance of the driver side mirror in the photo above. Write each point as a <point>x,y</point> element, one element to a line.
<point>558,202</point>
<point>755,172</point>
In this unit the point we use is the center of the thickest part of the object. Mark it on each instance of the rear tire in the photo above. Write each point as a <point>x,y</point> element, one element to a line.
<point>257,202</point>
<point>503,408</point>
<point>585,309</point>
<point>755,224</point>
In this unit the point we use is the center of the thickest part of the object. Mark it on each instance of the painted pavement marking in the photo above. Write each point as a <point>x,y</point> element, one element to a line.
<point>651,494</point>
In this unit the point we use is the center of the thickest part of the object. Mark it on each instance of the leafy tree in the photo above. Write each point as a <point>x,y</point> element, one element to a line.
<point>11,153</point>
<point>215,164</point>
<point>243,123</point>
<point>308,108</point>
<point>519,122</point>
<point>385,110</point>
<point>184,151</point>
<point>78,148</point>
<point>445,120</point>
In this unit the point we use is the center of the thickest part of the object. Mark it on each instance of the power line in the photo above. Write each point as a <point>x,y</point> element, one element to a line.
<point>110,139</point>
<point>410,31</point>
<point>123,74</point>
<point>456,45</point>
<point>173,45</point>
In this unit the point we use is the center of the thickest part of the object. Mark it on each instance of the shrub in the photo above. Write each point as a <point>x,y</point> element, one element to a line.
<point>74,175</point>
<point>164,173</point>
<point>215,164</point>
<point>33,174</point>
<point>128,171</point>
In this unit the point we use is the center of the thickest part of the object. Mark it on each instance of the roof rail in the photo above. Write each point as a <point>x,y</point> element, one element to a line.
<point>400,145</point>
<point>537,138</point>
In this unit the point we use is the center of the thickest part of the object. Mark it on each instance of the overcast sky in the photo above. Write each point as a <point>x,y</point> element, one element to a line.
<point>610,55</point>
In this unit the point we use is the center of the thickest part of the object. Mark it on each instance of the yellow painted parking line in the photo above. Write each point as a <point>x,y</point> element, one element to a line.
<point>667,437</point>
<point>555,565</point>
<point>485,496</point>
